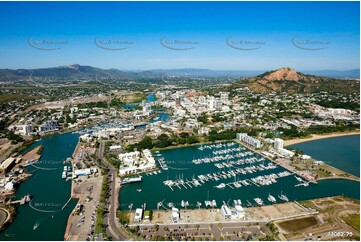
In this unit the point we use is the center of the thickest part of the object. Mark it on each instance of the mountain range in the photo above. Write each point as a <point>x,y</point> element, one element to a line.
<point>280,80</point>
<point>77,71</point>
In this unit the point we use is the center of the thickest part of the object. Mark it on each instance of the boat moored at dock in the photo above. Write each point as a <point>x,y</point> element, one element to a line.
<point>128,180</point>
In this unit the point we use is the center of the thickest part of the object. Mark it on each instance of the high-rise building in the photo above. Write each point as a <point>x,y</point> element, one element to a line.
<point>211,103</point>
<point>245,138</point>
<point>278,144</point>
<point>218,104</point>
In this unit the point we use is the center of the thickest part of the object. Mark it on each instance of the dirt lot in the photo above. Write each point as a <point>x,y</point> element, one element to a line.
<point>329,224</point>
<point>298,224</point>
<point>33,154</point>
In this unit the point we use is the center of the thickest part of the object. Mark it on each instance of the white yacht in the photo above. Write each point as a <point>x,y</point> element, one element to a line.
<point>258,201</point>
<point>271,198</point>
<point>222,185</point>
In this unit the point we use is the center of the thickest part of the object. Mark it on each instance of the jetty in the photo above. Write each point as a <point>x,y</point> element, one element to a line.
<point>22,201</point>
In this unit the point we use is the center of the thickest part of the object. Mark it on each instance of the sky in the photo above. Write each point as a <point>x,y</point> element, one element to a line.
<point>173,35</point>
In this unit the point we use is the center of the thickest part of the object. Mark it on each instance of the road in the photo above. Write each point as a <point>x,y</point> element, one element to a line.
<point>112,200</point>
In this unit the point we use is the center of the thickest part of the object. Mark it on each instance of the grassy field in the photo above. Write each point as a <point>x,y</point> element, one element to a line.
<point>16,97</point>
<point>353,220</point>
<point>298,224</point>
<point>123,217</point>
<point>133,97</point>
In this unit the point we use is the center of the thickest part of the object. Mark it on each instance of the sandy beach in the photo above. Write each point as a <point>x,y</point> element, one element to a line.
<point>317,137</point>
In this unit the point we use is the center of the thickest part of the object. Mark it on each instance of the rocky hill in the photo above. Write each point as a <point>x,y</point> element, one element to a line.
<point>290,81</point>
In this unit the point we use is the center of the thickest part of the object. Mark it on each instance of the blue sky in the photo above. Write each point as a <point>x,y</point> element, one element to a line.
<point>334,26</point>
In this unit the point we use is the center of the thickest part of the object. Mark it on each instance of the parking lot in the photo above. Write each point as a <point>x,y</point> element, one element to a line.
<point>81,222</point>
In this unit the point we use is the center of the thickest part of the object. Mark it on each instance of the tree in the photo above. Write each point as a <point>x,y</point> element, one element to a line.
<point>203,118</point>
<point>146,143</point>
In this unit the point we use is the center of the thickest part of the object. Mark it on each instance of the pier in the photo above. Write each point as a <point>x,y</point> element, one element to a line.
<point>22,201</point>
<point>293,171</point>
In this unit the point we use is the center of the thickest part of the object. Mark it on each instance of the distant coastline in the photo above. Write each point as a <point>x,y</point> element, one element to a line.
<point>319,136</point>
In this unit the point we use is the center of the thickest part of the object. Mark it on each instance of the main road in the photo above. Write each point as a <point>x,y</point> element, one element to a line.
<point>112,200</point>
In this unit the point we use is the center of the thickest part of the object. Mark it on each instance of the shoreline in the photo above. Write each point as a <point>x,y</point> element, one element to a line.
<point>319,137</point>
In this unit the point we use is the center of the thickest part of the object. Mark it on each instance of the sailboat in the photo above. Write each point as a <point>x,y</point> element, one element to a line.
<point>283,197</point>
<point>271,198</point>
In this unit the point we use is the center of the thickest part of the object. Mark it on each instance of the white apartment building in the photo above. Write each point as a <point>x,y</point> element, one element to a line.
<point>224,97</point>
<point>135,162</point>
<point>245,138</point>
<point>278,144</point>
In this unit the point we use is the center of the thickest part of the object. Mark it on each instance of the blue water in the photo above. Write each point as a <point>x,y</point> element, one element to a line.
<point>180,165</point>
<point>50,193</point>
<point>341,152</point>
<point>162,115</point>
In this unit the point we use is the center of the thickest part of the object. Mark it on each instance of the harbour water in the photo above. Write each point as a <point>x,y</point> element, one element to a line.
<point>162,115</point>
<point>341,152</point>
<point>46,216</point>
<point>180,166</point>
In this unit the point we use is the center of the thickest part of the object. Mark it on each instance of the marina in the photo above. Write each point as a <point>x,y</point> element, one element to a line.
<point>207,175</point>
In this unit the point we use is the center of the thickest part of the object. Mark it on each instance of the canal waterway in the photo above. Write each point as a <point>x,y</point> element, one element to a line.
<point>46,216</point>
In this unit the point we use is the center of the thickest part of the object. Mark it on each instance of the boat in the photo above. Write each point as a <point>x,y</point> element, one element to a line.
<point>199,204</point>
<point>222,185</point>
<point>184,203</point>
<point>208,203</point>
<point>214,203</point>
<point>239,202</point>
<point>237,185</point>
<point>168,182</point>
<point>131,180</point>
<point>283,197</point>
<point>258,201</point>
<point>63,175</point>
<point>299,179</point>
<point>30,162</point>
<point>159,204</point>
<point>271,198</point>
<point>139,190</point>
<point>36,225</point>
<point>170,205</point>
